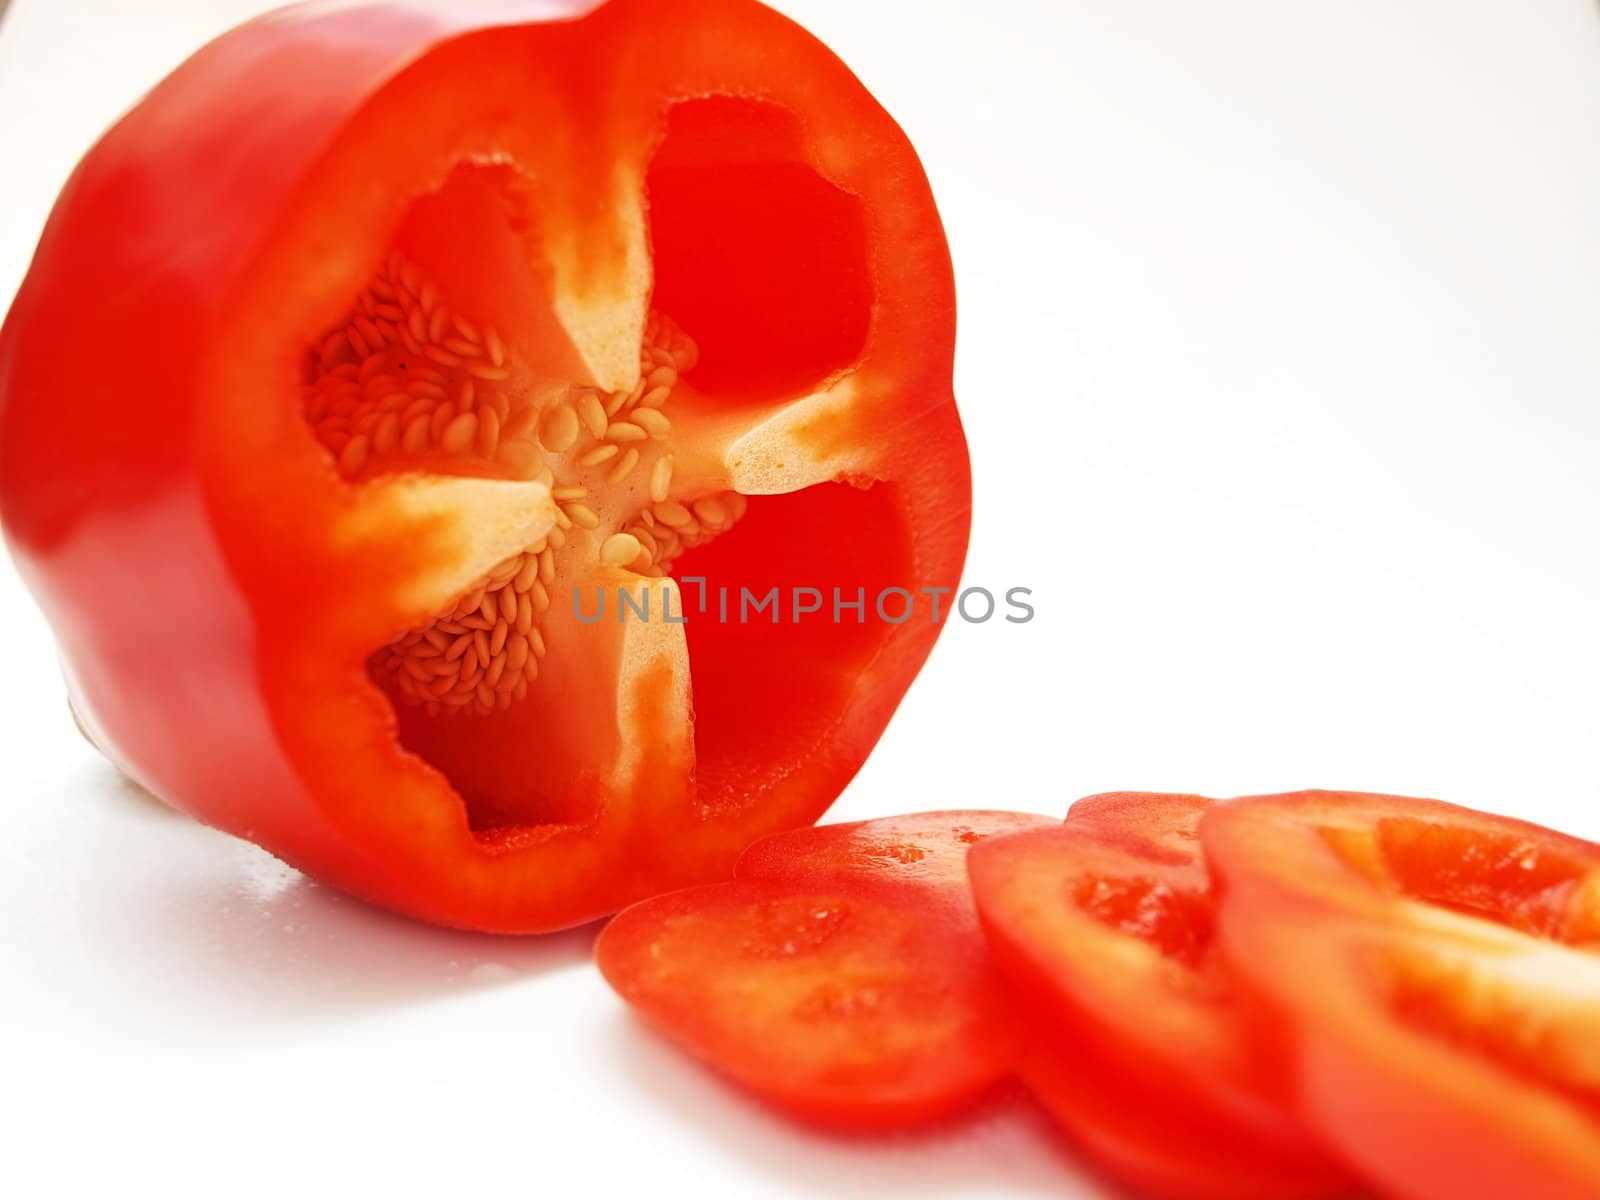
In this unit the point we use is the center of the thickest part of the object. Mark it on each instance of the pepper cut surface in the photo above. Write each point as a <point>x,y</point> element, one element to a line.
<point>842,975</point>
<point>380,345</point>
<point>1103,926</point>
<point>1435,981</point>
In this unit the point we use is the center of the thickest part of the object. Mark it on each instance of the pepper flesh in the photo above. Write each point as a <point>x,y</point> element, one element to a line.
<point>842,975</point>
<point>219,588</point>
<point>1103,928</point>
<point>1433,978</point>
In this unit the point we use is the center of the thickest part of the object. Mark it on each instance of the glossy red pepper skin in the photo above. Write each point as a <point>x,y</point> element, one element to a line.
<point>215,591</point>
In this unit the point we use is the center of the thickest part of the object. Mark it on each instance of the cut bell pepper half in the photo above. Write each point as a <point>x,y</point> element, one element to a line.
<point>1103,928</point>
<point>382,346</point>
<point>841,975</point>
<point>1435,978</point>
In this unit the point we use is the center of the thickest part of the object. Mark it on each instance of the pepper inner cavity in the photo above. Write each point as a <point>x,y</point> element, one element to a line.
<point>408,382</point>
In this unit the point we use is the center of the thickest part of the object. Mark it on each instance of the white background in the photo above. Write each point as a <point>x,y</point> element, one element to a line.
<point>1279,358</point>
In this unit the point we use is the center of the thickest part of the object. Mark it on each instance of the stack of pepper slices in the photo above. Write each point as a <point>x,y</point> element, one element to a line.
<point>1269,998</point>
<point>376,331</point>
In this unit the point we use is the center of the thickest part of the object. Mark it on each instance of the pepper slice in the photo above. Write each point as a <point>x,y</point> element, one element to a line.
<point>842,975</point>
<point>1435,977</point>
<point>1103,927</point>
<point>380,342</point>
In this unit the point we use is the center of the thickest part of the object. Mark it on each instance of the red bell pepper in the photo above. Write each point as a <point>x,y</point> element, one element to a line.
<point>842,975</point>
<point>1103,928</point>
<point>1435,981</point>
<point>374,332</point>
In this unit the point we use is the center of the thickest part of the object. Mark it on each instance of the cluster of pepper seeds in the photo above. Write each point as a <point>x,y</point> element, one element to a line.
<point>666,528</point>
<point>484,652</point>
<point>404,377</point>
